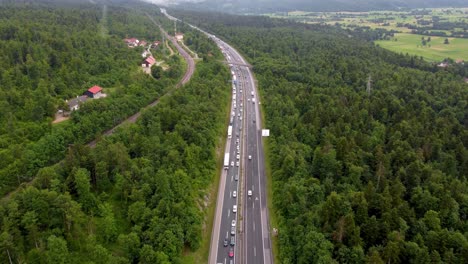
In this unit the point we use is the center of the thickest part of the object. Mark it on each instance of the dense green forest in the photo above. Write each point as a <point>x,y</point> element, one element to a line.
<point>363,171</point>
<point>51,54</point>
<point>139,195</point>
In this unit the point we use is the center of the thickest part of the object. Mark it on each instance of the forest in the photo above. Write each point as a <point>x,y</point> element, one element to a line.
<point>51,54</point>
<point>139,195</point>
<point>367,148</point>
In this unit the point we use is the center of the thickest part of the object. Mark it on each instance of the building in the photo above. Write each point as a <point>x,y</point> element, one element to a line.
<point>74,104</point>
<point>155,44</point>
<point>94,92</point>
<point>143,43</point>
<point>148,62</point>
<point>443,65</point>
<point>179,36</point>
<point>132,42</point>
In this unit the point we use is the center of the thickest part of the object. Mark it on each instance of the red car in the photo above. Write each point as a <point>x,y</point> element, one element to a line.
<point>231,253</point>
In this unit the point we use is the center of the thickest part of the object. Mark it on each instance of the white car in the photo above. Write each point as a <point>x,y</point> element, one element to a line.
<point>233,223</point>
<point>249,192</point>
<point>250,157</point>
<point>234,194</point>
<point>237,164</point>
<point>232,163</point>
<point>234,208</point>
<point>237,156</point>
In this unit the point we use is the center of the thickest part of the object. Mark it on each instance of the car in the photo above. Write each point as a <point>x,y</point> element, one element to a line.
<point>237,164</point>
<point>232,163</point>
<point>226,242</point>
<point>233,223</point>
<point>234,208</point>
<point>250,157</point>
<point>237,141</point>
<point>249,192</point>
<point>233,241</point>
<point>238,152</point>
<point>231,253</point>
<point>240,118</point>
<point>234,193</point>
<point>237,156</point>
<point>237,147</point>
<point>236,177</point>
<point>233,230</point>
<point>248,99</point>
<point>254,120</point>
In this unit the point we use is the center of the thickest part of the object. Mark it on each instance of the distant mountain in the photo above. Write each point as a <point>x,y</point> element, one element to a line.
<point>263,6</point>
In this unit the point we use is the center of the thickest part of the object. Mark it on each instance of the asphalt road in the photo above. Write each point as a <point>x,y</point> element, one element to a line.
<point>186,78</point>
<point>253,243</point>
<point>253,239</point>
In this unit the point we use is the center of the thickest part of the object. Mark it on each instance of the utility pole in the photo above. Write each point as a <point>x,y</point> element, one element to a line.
<point>369,85</point>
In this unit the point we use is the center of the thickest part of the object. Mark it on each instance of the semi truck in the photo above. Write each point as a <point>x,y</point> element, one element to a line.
<point>230,132</point>
<point>226,161</point>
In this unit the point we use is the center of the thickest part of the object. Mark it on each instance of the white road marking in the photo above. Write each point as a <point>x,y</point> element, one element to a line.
<point>229,212</point>
<point>255,251</point>
<point>253,226</point>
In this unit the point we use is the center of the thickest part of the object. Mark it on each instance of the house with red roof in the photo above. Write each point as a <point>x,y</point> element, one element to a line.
<point>94,92</point>
<point>131,42</point>
<point>148,62</point>
<point>155,44</point>
<point>143,43</point>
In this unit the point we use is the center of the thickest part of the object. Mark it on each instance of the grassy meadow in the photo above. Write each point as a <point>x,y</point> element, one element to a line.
<point>435,50</point>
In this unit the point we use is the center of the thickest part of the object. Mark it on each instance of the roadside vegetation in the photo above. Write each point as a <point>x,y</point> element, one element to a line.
<point>53,54</point>
<point>367,147</point>
<point>140,195</point>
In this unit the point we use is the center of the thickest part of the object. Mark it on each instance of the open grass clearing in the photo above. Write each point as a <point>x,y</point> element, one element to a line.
<point>437,51</point>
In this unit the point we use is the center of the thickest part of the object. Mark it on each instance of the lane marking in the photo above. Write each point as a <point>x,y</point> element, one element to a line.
<point>253,226</point>
<point>229,212</point>
<point>255,251</point>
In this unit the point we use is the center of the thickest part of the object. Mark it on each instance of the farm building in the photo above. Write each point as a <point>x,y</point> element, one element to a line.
<point>94,92</point>
<point>148,62</point>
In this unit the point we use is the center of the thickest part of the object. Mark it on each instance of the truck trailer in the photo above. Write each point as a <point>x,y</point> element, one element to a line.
<point>226,161</point>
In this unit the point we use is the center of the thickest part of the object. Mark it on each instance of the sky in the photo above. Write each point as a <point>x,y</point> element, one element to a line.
<point>165,2</point>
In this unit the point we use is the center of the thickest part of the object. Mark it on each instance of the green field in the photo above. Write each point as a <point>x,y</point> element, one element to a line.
<point>411,44</point>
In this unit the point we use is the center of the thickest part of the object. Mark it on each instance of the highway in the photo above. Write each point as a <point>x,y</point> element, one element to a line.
<point>253,239</point>
<point>251,227</point>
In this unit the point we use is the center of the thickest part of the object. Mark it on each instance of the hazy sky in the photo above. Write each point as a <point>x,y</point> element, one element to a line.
<point>165,2</point>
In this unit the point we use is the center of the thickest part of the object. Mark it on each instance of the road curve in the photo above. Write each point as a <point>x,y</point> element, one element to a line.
<point>185,79</point>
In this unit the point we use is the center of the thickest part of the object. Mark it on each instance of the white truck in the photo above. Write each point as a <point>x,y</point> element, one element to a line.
<point>230,132</point>
<point>226,161</point>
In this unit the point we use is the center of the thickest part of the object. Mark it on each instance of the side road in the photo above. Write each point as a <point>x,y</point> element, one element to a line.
<point>186,78</point>
<point>132,119</point>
